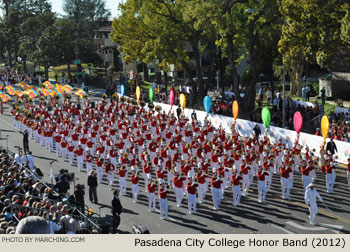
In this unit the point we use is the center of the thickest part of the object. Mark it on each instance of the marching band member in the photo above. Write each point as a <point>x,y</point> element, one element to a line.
<point>163,198</point>
<point>122,172</point>
<point>236,179</point>
<point>151,187</point>
<point>135,185</point>
<point>109,169</point>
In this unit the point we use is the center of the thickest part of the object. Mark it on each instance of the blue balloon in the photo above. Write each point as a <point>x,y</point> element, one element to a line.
<point>122,90</point>
<point>207,104</point>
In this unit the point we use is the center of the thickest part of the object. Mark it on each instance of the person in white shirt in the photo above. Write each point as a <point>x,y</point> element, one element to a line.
<point>18,158</point>
<point>31,162</point>
<point>310,199</point>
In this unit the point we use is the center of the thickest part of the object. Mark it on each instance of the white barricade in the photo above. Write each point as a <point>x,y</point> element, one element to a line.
<point>342,110</point>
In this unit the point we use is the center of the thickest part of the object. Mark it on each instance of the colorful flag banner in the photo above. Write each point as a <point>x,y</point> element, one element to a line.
<point>24,85</point>
<point>11,90</point>
<point>59,88</point>
<point>48,85</point>
<point>68,88</point>
<point>45,92</point>
<point>80,93</point>
<point>19,93</point>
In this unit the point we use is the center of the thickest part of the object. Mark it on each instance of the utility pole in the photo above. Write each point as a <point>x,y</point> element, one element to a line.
<point>284,94</point>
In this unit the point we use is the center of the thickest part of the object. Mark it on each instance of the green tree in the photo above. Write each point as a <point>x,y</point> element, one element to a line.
<point>163,31</point>
<point>312,32</point>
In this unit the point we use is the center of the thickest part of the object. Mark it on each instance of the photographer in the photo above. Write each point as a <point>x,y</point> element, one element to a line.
<point>62,185</point>
<point>79,197</point>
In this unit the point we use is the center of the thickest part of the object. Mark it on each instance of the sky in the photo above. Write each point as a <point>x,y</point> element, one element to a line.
<point>112,5</point>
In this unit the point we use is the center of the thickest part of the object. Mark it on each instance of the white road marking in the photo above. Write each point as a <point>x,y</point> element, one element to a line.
<point>281,228</point>
<point>321,227</point>
<point>335,228</point>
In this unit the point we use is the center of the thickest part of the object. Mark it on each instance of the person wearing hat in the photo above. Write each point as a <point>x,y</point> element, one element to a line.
<point>310,199</point>
<point>305,171</point>
<point>236,183</point>
<point>110,169</point>
<point>135,185</point>
<point>122,172</point>
<point>178,182</point>
<point>285,171</point>
<point>191,188</point>
<point>79,153</point>
<point>261,184</point>
<point>163,197</point>
<point>330,177</point>
<point>151,187</point>
<point>88,160</point>
<point>216,191</point>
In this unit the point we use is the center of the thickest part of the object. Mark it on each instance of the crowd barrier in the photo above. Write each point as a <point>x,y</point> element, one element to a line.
<point>245,128</point>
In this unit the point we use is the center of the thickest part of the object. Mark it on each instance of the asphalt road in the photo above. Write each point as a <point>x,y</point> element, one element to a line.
<point>274,217</point>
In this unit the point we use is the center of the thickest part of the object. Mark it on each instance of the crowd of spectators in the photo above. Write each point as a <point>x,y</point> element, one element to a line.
<point>339,127</point>
<point>22,194</point>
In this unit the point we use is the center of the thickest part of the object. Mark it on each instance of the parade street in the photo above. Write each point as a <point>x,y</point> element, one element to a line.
<point>276,216</point>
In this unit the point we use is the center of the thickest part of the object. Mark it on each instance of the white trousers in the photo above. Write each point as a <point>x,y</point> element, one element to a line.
<point>285,187</point>
<point>135,191</point>
<point>164,208</point>
<point>178,195</point>
<point>80,162</point>
<point>201,191</point>
<point>216,194</point>
<point>151,202</point>
<point>192,202</point>
<point>261,191</point>
<point>122,185</point>
<point>236,195</point>
<point>70,157</point>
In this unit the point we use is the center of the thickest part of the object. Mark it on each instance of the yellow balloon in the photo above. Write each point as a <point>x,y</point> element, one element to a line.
<point>183,101</point>
<point>235,109</point>
<point>324,127</point>
<point>138,93</point>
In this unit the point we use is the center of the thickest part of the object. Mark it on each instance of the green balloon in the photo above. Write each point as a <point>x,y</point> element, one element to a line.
<point>266,117</point>
<point>150,95</point>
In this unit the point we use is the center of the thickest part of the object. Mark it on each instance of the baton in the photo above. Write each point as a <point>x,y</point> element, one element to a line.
<point>326,207</point>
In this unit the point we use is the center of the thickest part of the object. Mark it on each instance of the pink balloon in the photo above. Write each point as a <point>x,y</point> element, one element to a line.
<point>298,122</point>
<point>172,97</point>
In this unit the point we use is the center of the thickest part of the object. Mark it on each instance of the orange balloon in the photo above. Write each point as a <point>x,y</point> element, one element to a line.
<point>138,93</point>
<point>235,109</point>
<point>324,127</point>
